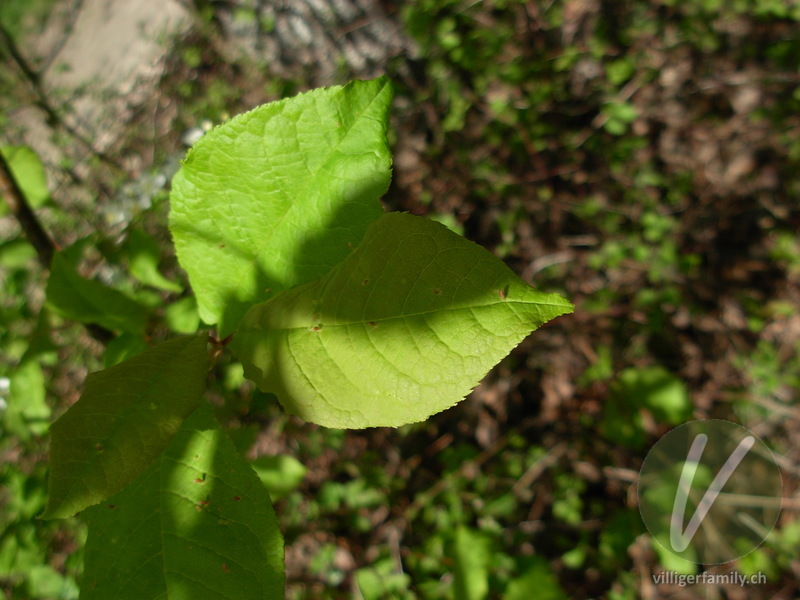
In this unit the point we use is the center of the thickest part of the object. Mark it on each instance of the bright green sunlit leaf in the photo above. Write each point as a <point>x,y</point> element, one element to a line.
<point>280,474</point>
<point>27,413</point>
<point>143,254</point>
<point>402,329</point>
<point>471,551</point>
<point>29,173</point>
<point>16,254</point>
<point>277,196</point>
<point>181,316</point>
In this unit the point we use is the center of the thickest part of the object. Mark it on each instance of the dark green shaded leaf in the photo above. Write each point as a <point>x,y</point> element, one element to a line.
<point>89,301</point>
<point>198,524</point>
<point>658,390</point>
<point>538,581</point>
<point>124,419</point>
<point>123,347</point>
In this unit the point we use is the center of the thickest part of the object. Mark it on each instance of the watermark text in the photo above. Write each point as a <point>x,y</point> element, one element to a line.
<point>729,578</point>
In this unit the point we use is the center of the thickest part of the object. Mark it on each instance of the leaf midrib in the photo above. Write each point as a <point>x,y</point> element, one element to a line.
<point>418,314</point>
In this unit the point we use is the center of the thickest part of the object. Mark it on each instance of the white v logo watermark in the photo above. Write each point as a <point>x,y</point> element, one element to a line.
<point>729,478</point>
<point>679,538</point>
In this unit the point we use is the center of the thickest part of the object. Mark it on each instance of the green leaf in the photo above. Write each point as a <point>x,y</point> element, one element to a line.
<point>122,348</point>
<point>124,419</point>
<point>620,531</point>
<point>20,553</point>
<point>43,581</point>
<point>619,115</point>
<point>472,553</point>
<point>619,71</point>
<point>538,581</point>
<point>89,301</point>
<point>671,561</point>
<point>197,524</point>
<point>402,329</point>
<point>29,173</point>
<point>276,196</point>
<point>181,316</point>
<point>658,390</point>
<point>16,254</point>
<point>144,254</point>
<point>279,474</point>
<point>383,579</point>
<point>653,388</point>
<point>621,424</point>
<point>27,413</point>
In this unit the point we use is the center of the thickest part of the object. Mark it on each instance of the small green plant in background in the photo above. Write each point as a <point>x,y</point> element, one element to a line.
<point>27,545</point>
<point>352,317</point>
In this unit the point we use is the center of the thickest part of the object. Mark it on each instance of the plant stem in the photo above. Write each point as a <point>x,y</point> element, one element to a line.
<point>36,234</point>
